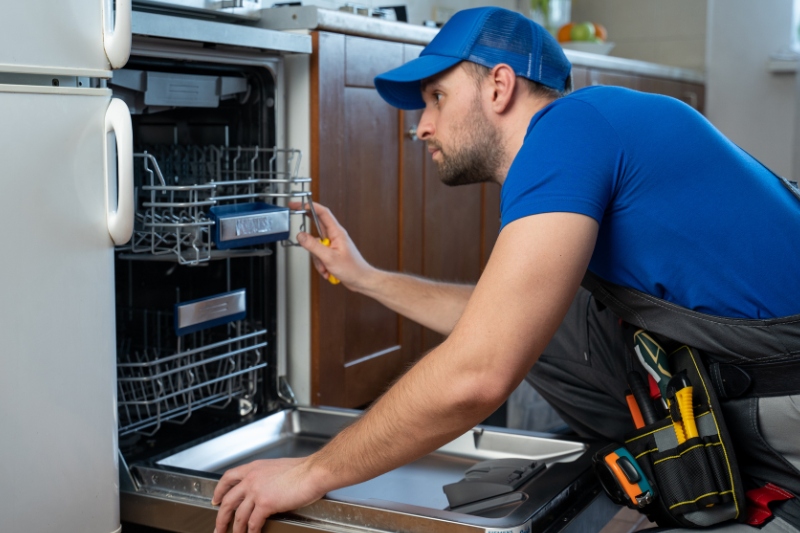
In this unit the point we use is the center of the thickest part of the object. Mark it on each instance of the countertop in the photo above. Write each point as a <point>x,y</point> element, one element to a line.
<point>315,18</point>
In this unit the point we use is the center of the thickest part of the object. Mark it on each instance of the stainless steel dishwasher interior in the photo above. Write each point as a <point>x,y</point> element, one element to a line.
<point>413,491</point>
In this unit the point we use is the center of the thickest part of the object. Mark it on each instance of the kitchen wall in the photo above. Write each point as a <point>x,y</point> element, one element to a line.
<point>671,33</point>
<point>753,107</point>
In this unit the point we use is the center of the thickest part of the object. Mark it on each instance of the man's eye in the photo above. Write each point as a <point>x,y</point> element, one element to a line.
<point>437,97</point>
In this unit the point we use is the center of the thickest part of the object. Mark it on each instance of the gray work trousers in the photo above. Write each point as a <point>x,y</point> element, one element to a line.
<point>581,374</point>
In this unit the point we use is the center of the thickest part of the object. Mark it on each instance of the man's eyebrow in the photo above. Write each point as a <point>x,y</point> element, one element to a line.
<point>427,82</point>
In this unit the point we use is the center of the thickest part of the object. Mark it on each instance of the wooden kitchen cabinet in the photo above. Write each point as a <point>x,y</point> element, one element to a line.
<point>382,186</point>
<point>689,92</point>
<point>692,93</point>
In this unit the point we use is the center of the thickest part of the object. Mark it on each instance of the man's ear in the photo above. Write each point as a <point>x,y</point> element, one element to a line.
<point>503,83</point>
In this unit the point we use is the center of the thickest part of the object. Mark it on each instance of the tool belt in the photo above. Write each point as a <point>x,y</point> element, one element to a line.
<point>693,479</point>
<point>680,468</point>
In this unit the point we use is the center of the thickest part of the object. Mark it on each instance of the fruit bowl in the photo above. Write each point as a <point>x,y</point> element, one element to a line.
<point>585,46</point>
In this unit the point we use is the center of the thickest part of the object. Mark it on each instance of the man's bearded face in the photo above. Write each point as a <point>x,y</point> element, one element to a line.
<point>473,154</point>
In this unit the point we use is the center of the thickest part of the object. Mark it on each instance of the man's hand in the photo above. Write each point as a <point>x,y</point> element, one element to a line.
<point>249,494</point>
<point>434,304</point>
<point>341,259</point>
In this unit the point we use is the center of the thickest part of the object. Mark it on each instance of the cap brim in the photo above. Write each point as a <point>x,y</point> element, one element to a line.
<point>400,87</point>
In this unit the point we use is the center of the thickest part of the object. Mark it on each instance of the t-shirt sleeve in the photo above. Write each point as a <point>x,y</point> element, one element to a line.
<point>568,163</point>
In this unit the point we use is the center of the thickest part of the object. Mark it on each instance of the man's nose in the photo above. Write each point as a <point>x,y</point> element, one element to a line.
<point>425,127</point>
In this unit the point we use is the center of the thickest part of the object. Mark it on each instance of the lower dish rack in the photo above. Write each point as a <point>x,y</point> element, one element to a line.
<point>179,187</point>
<point>164,376</point>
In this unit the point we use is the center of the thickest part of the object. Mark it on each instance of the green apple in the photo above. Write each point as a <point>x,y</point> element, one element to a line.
<point>582,32</point>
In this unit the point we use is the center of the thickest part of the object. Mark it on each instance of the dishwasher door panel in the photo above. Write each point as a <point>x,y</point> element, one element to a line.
<point>409,498</point>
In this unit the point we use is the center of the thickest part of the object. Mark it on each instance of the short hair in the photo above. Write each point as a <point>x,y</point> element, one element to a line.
<point>479,72</point>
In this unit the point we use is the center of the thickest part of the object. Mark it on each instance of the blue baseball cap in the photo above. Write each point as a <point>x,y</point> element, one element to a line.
<point>487,36</point>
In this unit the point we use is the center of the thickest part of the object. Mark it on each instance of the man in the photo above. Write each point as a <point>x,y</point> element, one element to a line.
<point>638,189</point>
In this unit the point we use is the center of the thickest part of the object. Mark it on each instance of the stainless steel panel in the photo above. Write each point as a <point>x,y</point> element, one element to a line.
<point>254,225</point>
<point>215,308</point>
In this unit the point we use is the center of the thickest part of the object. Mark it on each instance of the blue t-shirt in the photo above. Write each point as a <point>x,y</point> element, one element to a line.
<point>685,215</point>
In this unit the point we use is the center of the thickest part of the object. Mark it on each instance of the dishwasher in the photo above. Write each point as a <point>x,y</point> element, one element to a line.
<point>199,294</point>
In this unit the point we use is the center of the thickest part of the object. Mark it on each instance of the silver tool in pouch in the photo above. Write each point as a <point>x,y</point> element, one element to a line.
<point>689,457</point>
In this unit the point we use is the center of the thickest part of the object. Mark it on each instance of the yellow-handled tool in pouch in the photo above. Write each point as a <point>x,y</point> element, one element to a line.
<point>333,280</point>
<point>681,408</point>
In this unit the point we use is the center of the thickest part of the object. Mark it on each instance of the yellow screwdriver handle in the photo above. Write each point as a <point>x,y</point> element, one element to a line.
<point>680,430</point>
<point>684,399</point>
<point>333,280</point>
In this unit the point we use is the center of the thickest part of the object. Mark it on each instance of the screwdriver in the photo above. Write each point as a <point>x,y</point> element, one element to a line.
<point>323,239</point>
<point>633,406</point>
<point>679,396</point>
<point>640,393</point>
<point>654,359</point>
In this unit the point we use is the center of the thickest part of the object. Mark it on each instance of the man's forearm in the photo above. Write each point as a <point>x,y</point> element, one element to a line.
<point>415,417</point>
<point>435,305</point>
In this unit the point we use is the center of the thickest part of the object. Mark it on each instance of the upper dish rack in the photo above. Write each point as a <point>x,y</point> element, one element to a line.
<point>194,202</point>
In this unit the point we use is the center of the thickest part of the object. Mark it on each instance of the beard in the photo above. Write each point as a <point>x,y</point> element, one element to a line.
<point>477,152</point>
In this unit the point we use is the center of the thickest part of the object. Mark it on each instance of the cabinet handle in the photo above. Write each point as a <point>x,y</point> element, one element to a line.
<point>412,133</point>
<point>690,97</point>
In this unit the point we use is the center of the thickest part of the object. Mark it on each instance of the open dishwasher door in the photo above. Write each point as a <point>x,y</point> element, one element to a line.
<point>173,492</point>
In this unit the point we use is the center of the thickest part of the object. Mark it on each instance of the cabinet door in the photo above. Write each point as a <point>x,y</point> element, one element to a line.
<point>383,187</point>
<point>688,92</point>
<point>694,94</point>
<point>580,77</point>
<point>358,346</point>
<point>598,76</point>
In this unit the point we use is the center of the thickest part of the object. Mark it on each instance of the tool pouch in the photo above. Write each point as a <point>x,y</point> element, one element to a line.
<point>695,483</point>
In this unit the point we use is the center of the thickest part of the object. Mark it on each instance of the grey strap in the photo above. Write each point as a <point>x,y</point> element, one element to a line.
<point>731,339</point>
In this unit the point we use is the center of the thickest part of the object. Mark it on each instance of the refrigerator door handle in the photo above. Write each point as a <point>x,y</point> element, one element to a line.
<point>117,36</point>
<point>120,220</point>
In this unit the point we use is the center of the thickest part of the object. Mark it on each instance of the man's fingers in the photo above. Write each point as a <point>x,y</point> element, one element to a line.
<point>257,519</point>
<point>241,518</point>
<point>319,253</point>
<point>228,507</point>
<point>319,266</point>
<point>230,479</point>
<point>313,245</point>
<point>326,218</point>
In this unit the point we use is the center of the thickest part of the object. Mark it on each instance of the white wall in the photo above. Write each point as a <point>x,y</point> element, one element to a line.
<point>668,32</point>
<point>754,108</point>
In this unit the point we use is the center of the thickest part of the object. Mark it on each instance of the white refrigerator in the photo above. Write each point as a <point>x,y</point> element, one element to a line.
<point>66,198</point>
